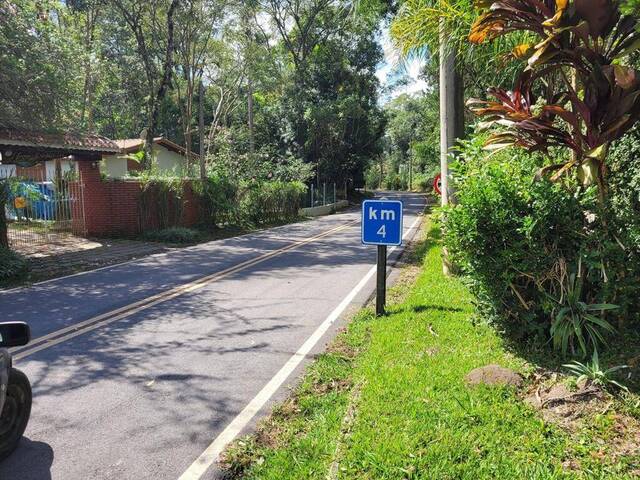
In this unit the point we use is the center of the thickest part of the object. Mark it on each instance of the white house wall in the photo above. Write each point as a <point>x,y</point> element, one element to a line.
<point>114,166</point>
<point>65,167</point>
<point>168,160</point>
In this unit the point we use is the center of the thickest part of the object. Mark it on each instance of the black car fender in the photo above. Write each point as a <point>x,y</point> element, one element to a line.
<point>5,366</point>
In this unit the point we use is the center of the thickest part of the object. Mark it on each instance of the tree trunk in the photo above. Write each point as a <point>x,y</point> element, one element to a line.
<point>4,239</point>
<point>410,172</point>
<point>451,120</point>
<point>89,84</point>
<point>252,144</point>
<point>162,89</point>
<point>203,172</point>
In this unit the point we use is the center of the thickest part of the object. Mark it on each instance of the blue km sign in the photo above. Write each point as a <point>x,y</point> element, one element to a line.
<point>382,222</point>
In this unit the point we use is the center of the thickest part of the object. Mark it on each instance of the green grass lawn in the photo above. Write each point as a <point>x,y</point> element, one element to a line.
<point>389,401</point>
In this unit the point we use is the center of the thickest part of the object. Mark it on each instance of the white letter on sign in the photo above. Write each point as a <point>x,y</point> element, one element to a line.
<point>382,231</point>
<point>387,215</point>
<point>373,215</point>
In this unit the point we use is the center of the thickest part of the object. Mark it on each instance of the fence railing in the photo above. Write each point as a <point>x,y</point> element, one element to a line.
<point>41,207</point>
<point>322,194</point>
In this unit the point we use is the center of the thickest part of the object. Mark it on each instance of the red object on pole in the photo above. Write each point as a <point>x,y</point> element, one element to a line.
<point>437,184</point>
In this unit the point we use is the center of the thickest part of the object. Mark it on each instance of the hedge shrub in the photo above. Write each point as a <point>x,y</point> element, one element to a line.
<point>518,240</point>
<point>12,266</point>
<point>243,203</point>
<point>173,235</point>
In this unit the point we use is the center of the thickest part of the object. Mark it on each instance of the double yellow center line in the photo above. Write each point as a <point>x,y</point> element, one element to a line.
<point>67,333</point>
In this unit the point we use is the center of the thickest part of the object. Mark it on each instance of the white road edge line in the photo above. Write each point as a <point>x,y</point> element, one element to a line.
<point>213,451</point>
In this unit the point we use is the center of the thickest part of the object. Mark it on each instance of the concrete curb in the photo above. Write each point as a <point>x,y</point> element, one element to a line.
<point>324,209</point>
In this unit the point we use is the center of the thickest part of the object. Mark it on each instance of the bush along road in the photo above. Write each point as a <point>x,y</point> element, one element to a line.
<point>401,396</point>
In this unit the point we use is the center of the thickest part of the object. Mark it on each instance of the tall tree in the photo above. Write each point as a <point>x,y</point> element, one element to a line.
<point>37,75</point>
<point>198,21</point>
<point>155,45</point>
<point>302,25</point>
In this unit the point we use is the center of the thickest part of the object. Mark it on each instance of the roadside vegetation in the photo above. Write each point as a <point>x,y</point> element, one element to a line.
<point>13,267</point>
<point>222,201</point>
<point>287,92</point>
<point>409,159</point>
<point>541,234</point>
<point>389,399</point>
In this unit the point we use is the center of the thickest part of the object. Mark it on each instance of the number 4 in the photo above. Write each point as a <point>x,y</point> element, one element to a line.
<point>382,231</point>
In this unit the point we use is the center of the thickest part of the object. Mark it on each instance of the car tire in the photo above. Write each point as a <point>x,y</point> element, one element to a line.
<point>15,413</point>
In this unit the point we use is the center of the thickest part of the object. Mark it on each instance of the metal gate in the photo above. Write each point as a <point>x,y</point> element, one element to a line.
<point>45,205</point>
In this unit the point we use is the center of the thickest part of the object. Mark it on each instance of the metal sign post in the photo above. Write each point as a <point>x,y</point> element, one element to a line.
<point>381,280</point>
<point>381,226</point>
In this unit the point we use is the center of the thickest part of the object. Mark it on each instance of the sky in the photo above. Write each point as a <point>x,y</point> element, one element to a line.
<point>393,68</point>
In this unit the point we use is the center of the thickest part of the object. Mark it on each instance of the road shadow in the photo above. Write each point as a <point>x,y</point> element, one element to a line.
<point>31,461</point>
<point>194,359</point>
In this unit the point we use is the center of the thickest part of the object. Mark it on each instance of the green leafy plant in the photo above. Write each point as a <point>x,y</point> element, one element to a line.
<point>576,92</point>
<point>524,230</point>
<point>161,201</point>
<point>593,372</point>
<point>12,266</point>
<point>578,322</point>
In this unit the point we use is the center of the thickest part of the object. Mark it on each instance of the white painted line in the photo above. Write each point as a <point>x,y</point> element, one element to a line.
<point>64,334</point>
<point>213,451</point>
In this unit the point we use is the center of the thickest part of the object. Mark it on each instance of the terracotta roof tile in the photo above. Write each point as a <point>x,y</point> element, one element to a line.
<point>62,141</point>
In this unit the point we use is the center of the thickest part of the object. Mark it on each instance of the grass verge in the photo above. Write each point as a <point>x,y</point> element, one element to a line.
<point>388,400</point>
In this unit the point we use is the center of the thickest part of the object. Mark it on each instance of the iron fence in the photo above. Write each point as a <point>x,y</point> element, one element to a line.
<point>43,205</point>
<point>320,194</point>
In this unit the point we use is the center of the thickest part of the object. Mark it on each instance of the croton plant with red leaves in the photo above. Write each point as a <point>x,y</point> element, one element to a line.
<point>587,95</point>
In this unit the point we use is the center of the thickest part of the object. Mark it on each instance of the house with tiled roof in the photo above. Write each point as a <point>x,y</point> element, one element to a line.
<point>42,155</point>
<point>167,157</point>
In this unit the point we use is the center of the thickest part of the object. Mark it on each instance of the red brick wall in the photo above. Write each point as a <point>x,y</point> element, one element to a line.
<point>112,207</point>
<point>191,213</point>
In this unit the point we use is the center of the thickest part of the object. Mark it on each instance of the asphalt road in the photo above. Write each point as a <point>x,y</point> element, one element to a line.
<point>141,393</point>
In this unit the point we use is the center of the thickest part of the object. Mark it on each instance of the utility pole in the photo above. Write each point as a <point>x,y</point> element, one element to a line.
<point>451,118</point>
<point>410,172</point>
<point>447,110</point>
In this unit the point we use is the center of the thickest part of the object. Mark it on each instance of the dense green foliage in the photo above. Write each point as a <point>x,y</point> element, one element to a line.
<point>410,145</point>
<point>248,203</point>
<point>12,266</point>
<point>287,86</point>
<point>222,201</point>
<point>534,251</point>
<point>624,187</point>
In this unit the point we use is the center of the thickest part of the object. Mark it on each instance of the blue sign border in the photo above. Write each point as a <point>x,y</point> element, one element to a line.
<point>401,222</point>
